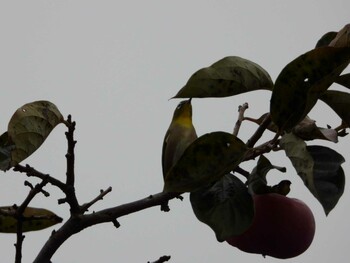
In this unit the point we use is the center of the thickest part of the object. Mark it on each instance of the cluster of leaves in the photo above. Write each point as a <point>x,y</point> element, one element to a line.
<point>207,169</point>
<point>28,128</point>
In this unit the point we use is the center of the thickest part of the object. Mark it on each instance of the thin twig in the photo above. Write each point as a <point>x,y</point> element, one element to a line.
<point>161,259</point>
<point>261,149</point>
<point>31,172</point>
<point>241,110</point>
<point>19,216</point>
<point>71,198</point>
<point>259,132</point>
<point>243,172</point>
<point>86,206</point>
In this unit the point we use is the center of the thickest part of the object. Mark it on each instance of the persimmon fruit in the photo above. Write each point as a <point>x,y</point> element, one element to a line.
<point>282,227</point>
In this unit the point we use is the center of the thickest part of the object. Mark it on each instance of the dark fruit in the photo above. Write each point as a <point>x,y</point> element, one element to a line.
<point>282,227</point>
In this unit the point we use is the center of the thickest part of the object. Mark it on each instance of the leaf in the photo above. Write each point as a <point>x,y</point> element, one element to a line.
<point>326,39</point>
<point>301,159</point>
<point>302,81</point>
<point>342,39</point>
<point>226,207</point>
<point>319,168</point>
<point>339,101</point>
<point>227,77</point>
<point>329,179</point>
<point>344,80</point>
<point>29,127</point>
<point>257,182</point>
<point>34,219</point>
<point>307,130</point>
<point>5,152</point>
<point>206,160</point>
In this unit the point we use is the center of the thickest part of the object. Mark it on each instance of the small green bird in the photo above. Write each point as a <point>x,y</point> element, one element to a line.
<point>179,136</point>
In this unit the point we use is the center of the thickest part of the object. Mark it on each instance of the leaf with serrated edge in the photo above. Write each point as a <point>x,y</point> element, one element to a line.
<point>227,77</point>
<point>302,81</point>
<point>34,219</point>
<point>206,160</point>
<point>226,207</point>
<point>29,127</point>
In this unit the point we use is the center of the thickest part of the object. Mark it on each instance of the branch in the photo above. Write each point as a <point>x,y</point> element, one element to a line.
<point>19,215</point>
<point>259,132</point>
<point>31,172</point>
<point>85,207</point>
<point>71,198</point>
<point>161,259</point>
<point>77,223</point>
<point>241,110</point>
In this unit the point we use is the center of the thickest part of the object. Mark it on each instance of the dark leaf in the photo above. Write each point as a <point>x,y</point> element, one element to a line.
<point>227,77</point>
<point>329,179</point>
<point>339,101</point>
<point>344,80</point>
<point>319,168</point>
<point>257,180</point>
<point>33,219</point>
<point>5,152</point>
<point>301,159</point>
<point>206,160</point>
<point>302,81</point>
<point>29,127</point>
<point>326,39</point>
<point>226,207</point>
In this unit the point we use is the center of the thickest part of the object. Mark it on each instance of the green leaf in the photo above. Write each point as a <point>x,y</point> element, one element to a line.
<point>257,180</point>
<point>319,168</point>
<point>326,39</point>
<point>329,179</point>
<point>339,101</point>
<point>206,160</point>
<point>29,127</point>
<point>5,152</point>
<point>301,159</point>
<point>226,207</point>
<point>227,77</point>
<point>302,81</point>
<point>33,219</point>
<point>344,80</point>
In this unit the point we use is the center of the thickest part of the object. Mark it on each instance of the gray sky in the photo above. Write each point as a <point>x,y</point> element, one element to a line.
<point>113,65</point>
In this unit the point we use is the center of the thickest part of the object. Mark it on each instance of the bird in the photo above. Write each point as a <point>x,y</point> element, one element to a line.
<point>180,134</point>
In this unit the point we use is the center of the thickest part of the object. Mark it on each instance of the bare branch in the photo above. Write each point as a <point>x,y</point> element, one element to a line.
<point>77,223</point>
<point>161,259</point>
<point>70,156</point>
<point>85,207</point>
<point>31,172</point>
<point>241,110</point>
<point>259,132</point>
<point>19,215</point>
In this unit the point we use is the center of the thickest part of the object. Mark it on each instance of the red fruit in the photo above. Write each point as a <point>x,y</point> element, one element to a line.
<point>282,227</point>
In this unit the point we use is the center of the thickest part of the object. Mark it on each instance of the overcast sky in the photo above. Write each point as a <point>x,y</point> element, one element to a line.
<point>113,65</point>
